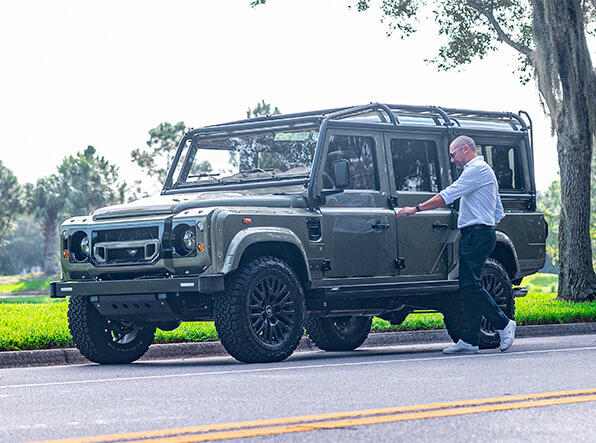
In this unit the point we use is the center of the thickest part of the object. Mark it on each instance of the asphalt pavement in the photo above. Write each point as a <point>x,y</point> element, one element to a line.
<point>58,357</point>
<point>542,389</point>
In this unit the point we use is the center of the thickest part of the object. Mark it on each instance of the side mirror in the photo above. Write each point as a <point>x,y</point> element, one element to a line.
<point>341,173</point>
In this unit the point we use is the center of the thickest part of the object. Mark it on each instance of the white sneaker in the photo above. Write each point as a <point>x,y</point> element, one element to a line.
<point>507,335</point>
<point>461,347</point>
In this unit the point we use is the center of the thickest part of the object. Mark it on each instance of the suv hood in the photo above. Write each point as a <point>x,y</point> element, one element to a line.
<point>172,204</point>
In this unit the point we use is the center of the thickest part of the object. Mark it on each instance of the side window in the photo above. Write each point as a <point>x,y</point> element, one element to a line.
<point>360,152</point>
<point>505,162</point>
<point>415,165</point>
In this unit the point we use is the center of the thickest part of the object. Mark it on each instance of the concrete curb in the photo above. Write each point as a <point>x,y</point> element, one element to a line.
<point>58,357</point>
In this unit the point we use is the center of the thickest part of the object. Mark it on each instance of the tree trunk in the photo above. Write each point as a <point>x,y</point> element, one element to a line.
<point>567,82</point>
<point>576,275</point>
<point>49,231</point>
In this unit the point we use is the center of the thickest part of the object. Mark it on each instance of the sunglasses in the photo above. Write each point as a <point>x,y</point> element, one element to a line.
<point>452,154</point>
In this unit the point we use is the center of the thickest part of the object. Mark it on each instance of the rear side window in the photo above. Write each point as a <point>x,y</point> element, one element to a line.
<point>415,165</point>
<point>504,160</point>
<point>360,152</point>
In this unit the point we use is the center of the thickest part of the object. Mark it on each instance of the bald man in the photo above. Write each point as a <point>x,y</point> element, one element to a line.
<point>479,212</point>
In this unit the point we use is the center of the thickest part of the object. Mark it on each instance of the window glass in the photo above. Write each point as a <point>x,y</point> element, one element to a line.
<point>360,153</point>
<point>415,165</point>
<point>505,162</point>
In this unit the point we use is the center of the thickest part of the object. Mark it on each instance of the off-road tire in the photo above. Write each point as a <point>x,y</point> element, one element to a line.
<point>260,316</point>
<point>100,340</point>
<point>337,333</point>
<point>496,281</point>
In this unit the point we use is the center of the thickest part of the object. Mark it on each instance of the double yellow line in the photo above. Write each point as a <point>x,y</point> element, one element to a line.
<point>344,419</point>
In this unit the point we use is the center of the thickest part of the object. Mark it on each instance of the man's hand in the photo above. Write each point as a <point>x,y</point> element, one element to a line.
<point>407,210</point>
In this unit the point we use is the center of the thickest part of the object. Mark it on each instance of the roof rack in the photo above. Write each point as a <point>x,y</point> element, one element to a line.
<point>438,116</point>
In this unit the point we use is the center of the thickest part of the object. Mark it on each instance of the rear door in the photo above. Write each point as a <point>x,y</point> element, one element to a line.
<point>418,163</point>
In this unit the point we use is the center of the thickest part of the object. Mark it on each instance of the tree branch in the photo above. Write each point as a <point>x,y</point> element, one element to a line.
<point>499,30</point>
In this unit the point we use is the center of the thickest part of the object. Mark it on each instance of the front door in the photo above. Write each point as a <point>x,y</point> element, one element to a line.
<point>358,226</point>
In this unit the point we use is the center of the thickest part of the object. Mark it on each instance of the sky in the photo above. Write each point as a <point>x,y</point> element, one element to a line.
<point>78,73</point>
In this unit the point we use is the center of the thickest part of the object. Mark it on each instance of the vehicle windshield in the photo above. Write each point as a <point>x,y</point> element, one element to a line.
<point>270,156</point>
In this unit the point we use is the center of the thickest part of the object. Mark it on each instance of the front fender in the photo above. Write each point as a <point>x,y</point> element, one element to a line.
<point>249,236</point>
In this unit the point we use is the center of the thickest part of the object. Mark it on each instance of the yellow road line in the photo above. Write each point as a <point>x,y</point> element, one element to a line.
<point>344,419</point>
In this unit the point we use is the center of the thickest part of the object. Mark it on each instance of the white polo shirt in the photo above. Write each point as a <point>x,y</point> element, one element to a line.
<point>479,191</point>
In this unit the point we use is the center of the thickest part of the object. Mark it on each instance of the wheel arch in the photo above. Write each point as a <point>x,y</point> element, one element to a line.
<point>276,242</point>
<point>505,253</point>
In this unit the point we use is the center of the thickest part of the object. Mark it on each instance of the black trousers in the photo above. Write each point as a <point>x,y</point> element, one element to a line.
<point>475,245</point>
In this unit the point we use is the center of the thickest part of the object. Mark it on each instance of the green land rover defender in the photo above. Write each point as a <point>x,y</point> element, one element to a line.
<point>298,231</point>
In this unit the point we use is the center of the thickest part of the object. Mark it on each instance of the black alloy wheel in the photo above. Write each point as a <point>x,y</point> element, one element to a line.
<point>260,316</point>
<point>337,333</point>
<point>272,310</point>
<point>106,341</point>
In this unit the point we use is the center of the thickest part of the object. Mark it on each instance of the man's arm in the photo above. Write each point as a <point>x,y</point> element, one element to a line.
<point>432,203</point>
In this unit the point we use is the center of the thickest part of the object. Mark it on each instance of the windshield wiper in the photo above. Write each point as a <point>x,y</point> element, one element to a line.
<point>207,175</point>
<point>245,172</point>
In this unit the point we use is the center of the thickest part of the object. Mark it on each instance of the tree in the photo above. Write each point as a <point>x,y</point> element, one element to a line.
<point>261,109</point>
<point>47,204</point>
<point>20,253</point>
<point>90,182</point>
<point>11,200</point>
<point>550,39</point>
<point>84,182</point>
<point>163,143</point>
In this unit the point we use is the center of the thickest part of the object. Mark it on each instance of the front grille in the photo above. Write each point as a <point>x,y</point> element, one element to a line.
<point>128,234</point>
<point>126,246</point>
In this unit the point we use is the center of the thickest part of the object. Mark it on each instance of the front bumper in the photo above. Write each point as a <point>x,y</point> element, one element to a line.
<point>206,284</point>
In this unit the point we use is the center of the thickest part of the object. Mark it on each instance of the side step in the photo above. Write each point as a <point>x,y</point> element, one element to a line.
<point>520,292</point>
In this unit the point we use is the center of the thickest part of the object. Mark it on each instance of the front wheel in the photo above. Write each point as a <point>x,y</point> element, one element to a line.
<point>260,316</point>
<point>337,333</point>
<point>106,341</point>
<point>496,281</point>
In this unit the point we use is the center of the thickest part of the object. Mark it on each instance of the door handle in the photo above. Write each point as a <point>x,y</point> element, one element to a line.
<point>440,226</point>
<point>380,225</point>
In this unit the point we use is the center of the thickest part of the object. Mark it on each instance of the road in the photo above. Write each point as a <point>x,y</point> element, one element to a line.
<point>92,400</point>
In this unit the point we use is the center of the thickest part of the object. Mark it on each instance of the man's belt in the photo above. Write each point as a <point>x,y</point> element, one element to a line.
<point>470,228</point>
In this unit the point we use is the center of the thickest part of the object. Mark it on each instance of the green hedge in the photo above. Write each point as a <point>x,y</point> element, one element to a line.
<point>44,325</point>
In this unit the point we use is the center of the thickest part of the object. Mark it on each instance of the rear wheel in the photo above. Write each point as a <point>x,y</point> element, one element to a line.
<point>260,316</point>
<point>106,341</point>
<point>496,281</point>
<point>337,333</point>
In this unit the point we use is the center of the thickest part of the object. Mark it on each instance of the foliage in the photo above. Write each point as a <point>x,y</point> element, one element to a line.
<point>549,203</point>
<point>163,143</point>
<point>11,200</point>
<point>84,182</point>
<point>20,253</point>
<point>90,182</point>
<point>47,203</point>
<point>262,109</point>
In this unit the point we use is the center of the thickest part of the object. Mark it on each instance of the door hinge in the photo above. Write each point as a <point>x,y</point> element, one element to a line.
<point>399,263</point>
<point>392,202</point>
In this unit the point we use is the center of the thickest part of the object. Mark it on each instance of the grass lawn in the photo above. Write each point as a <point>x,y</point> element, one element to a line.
<point>44,325</point>
<point>27,283</point>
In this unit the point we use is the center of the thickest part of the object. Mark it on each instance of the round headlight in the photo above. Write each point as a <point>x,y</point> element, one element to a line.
<point>185,240</point>
<point>189,240</point>
<point>85,246</point>
<point>79,246</point>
